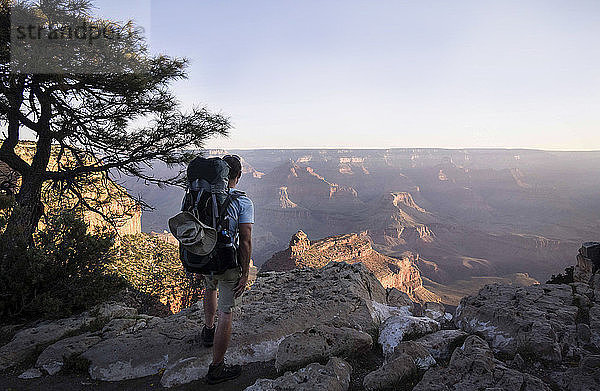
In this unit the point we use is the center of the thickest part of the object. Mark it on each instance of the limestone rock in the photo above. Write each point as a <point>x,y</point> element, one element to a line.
<point>52,358</point>
<point>399,327</point>
<point>142,353</point>
<point>595,287</point>
<point>539,320</point>
<point>32,373</point>
<point>121,326</point>
<point>397,298</point>
<point>26,341</point>
<point>391,374</point>
<point>185,371</point>
<point>113,310</point>
<point>437,312</point>
<point>335,376</point>
<point>417,352</point>
<point>441,344</point>
<point>278,305</point>
<point>473,368</point>
<point>518,362</point>
<point>594,315</point>
<point>585,377</point>
<point>318,343</point>
<point>117,327</point>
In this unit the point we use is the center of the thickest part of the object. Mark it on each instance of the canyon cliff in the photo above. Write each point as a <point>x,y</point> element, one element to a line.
<point>401,274</point>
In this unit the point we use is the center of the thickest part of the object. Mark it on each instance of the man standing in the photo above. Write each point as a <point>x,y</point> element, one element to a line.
<point>230,284</point>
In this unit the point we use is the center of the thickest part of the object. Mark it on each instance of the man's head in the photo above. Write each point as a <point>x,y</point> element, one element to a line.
<point>235,169</point>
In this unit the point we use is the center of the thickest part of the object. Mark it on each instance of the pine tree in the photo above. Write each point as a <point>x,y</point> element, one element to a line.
<point>106,105</point>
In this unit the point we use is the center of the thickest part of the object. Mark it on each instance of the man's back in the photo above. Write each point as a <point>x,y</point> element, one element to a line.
<point>241,210</point>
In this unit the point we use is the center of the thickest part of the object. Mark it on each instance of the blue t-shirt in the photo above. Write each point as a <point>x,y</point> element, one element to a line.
<point>241,211</point>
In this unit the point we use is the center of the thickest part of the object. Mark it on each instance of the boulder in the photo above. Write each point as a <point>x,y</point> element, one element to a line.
<point>121,326</point>
<point>335,376</point>
<point>397,298</point>
<point>391,375</point>
<point>113,310</point>
<point>437,312</point>
<point>473,368</point>
<point>417,352</point>
<point>595,287</point>
<point>441,344</point>
<point>401,327</point>
<point>318,343</point>
<point>51,360</point>
<point>538,321</point>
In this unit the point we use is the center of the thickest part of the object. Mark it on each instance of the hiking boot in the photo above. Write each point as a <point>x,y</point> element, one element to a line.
<point>207,336</point>
<point>218,373</point>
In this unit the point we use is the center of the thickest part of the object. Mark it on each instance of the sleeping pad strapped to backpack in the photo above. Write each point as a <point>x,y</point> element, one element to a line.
<point>208,198</point>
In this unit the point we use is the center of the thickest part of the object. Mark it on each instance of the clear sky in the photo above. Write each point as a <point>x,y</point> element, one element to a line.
<point>379,74</point>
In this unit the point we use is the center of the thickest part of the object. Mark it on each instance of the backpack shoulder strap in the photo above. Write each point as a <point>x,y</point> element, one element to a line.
<point>237,193</point>
<point>223,210</point>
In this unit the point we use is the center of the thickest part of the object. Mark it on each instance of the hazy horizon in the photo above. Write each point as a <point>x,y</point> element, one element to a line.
<point>466,74</point>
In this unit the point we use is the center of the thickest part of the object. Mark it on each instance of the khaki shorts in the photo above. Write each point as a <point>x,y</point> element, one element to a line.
<point>224,283</point>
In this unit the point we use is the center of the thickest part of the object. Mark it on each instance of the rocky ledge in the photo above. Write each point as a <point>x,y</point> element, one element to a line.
<point>316,328</point>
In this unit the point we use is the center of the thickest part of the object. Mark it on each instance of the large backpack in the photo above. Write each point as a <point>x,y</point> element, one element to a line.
<point>208,197</point>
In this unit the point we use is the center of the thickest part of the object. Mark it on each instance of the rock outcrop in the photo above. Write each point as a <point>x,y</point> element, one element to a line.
<point>318,343</point>
<point>540,320</point>
<point>27,341</point>
<point>276,309</point>
<point>473,368</point>
<point>352,248</point>
<point>334,376</point>
<point>553,325</point>
<point>391,374</point>
<point>320,323</point>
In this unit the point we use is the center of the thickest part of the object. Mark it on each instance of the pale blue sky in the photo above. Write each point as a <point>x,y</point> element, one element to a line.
<point>379,74</point>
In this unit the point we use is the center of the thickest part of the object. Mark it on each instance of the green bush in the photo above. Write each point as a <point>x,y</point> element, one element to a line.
<point>152,267</point>
<point>61,275</point>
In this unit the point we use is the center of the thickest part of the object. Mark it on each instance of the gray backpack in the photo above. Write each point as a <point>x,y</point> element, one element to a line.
<point>208,198</point>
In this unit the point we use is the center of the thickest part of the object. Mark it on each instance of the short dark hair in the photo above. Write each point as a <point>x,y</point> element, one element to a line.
<point>235,166</point>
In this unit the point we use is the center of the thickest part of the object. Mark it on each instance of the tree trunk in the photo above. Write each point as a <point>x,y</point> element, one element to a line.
<point>28,210</point>
<point>26,214</point>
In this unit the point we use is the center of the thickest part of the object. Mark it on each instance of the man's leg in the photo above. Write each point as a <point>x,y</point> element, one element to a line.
<point>218,371</point>
<point>210,307</point>
<point>222,337</point>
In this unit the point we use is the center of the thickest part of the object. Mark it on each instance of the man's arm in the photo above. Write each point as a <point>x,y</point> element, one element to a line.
<point>244,255</point>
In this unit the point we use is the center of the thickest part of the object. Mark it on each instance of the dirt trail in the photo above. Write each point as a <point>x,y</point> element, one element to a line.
<point>80,382</point>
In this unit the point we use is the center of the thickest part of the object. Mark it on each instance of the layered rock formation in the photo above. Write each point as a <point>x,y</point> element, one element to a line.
<point>352,248</point>
<point>309,189</point>
<point>397,220</point>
